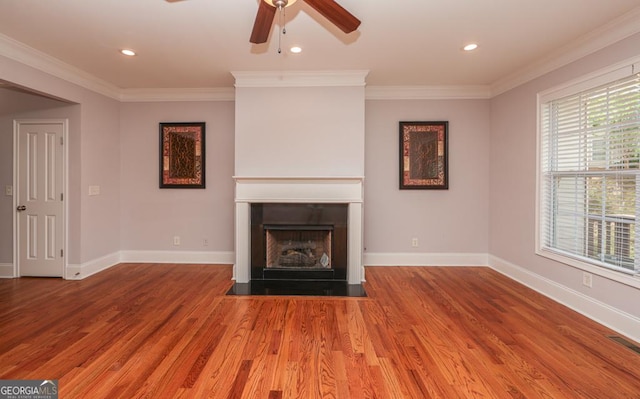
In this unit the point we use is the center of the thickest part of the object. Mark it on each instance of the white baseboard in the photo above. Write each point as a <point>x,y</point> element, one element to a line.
<point>79,272</point>
<point>6,270</point>
<point>426,259</point>
<point>622,322</point>
<point>217,258</point>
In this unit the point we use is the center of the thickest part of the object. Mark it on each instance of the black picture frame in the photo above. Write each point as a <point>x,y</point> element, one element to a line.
<point>182,154</point>
<point>424,155</point>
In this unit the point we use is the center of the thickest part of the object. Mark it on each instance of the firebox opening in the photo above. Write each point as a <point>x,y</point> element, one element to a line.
<point>298,247</point>
<point>298,241</point>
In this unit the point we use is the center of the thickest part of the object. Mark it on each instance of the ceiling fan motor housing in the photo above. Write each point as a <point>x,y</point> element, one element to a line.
<point>280,3</point>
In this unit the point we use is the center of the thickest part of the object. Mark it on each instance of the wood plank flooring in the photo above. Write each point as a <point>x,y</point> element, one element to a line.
<point>168,331</point>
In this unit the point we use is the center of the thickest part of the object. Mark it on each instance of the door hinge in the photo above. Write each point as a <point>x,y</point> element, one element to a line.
<point>62,253</point>
<point>61,140</point>
<point>61,197</point>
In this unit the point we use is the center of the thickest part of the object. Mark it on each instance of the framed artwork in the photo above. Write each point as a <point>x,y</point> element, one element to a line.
<point>423,155</point>
<point>182,155</point>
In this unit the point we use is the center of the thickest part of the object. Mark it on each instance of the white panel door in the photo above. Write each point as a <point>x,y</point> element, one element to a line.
<point>40,199</point>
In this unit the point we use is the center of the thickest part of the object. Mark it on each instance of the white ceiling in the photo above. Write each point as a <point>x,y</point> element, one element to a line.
<point>196,43</point>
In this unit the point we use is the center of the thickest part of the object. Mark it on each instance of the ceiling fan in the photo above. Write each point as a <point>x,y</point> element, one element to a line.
<point>331,10</point>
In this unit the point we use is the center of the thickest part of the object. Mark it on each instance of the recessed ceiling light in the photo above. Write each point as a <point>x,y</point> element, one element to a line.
<point>470,47</point>
<point>296,49</point>
<point>128,52</point>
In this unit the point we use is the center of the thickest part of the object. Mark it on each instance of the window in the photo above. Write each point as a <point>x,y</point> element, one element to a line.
<point>589,177</point>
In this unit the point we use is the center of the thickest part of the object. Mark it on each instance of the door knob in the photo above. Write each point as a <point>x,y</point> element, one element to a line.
<point>21,208</point>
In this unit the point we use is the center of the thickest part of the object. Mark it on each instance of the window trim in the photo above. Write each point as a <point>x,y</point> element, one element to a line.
<point>585,82</point>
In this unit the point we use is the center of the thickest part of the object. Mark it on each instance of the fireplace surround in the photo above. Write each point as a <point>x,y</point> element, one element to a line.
<point>286,199</point>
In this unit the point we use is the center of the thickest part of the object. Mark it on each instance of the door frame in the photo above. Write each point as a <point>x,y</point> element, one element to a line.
<point>65,189</point>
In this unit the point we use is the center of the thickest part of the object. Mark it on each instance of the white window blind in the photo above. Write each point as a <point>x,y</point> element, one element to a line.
<point>590,175</point>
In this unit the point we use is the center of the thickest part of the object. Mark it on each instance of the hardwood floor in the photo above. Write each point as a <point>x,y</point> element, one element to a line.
<point>168,331</point>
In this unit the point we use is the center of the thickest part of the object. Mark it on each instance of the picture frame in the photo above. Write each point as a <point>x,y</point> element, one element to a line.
<point>424,155</point>
<point>182,154</point>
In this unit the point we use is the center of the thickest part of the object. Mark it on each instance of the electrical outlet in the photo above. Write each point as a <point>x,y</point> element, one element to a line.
<point>205,242</point>
<point>414,242</point>
<point>587,279</point>
<point>176,240</point>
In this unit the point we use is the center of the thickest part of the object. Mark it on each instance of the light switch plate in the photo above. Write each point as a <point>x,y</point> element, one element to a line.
<point>8,190</point>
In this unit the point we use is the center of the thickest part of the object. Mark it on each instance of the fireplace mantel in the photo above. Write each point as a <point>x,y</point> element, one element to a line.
<point>299,189</point>
<point>296,189</point>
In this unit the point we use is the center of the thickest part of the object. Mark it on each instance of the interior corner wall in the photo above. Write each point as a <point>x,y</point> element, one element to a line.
<point>513,181</point>
<point>99,148</point>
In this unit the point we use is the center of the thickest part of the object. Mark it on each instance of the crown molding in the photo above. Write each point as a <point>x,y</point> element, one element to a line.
<point>427,92</point>
<point>371,93</point>
<point>29,56</point>
<point>164,95</point>
<point>608,34</point>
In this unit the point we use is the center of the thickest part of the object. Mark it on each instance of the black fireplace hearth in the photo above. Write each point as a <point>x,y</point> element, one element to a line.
<point>298,288</point>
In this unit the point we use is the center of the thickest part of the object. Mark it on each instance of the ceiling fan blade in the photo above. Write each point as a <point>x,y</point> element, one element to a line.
<point>262,25</point>
<point>335,13</point>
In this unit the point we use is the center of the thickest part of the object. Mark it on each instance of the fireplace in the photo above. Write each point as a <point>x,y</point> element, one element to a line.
<point>291,241</point>
<point>311,155</point>
<point>302,203</point>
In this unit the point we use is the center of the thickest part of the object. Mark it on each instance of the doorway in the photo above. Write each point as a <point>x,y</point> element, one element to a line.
<point>40,213</point>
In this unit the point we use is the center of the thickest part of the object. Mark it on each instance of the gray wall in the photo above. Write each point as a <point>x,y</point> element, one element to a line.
<point>152,216</point>
<point>444,221</point>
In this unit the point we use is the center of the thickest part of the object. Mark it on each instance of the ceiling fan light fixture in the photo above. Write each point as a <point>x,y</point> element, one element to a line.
<point>296,49</point>
<point>280,3</point>
<point>128,52</point>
